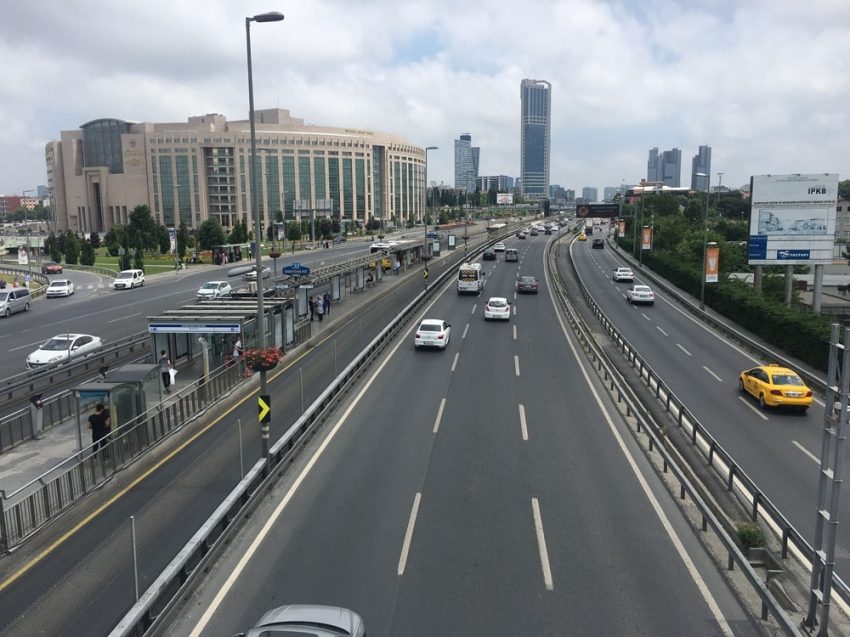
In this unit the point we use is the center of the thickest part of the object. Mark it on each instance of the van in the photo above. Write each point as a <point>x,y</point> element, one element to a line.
<point>128,279</point>
<point>14,300</point>
<point>511,254</point>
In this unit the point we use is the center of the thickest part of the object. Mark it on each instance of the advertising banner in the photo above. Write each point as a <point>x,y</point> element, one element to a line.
<point>598,210</point>
<point>505,198</point>
<point>646,238</point>
<point>712,264</point>
<point>622,229</point>
<point>792,219</point>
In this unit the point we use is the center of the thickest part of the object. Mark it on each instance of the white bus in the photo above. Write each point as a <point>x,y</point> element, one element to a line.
<point>470,279</point>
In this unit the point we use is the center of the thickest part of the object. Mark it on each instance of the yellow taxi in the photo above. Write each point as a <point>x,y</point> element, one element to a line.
<point>582,237</point>
<point>776,386</point>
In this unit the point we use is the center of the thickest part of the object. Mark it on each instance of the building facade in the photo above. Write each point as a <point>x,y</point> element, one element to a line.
<point>535,137</point>
<point>701,163</point>
<point>665,167</point>
<point>590,194</point>
<point>499,183</point>
<point>466,163</point>
<point>199,169</point>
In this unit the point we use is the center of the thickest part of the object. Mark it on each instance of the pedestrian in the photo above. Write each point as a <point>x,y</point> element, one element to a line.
<point>312,304</point>
<point>100,425</point>
<point>397,266</point>
<point>165,370</point>
<point>2,284</point>
<point>320,308</point>
<point>27,279</point>
<point>327,303</point>
<point>15,284</point>
<point>237,349</point>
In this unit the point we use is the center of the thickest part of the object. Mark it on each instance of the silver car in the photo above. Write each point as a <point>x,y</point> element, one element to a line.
<point>307,620</point>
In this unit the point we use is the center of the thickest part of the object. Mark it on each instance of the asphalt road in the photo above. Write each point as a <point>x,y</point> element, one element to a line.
<point>489,489</point>
<point>778,449</point>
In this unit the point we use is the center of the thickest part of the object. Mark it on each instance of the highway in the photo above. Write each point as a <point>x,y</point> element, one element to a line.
<point>489,489</point>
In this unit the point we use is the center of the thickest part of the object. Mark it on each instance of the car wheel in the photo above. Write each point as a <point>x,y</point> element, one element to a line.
<point>629,299</point>
<point>652,302</point>
<point>741,384</point>
<point>27,307</point>
<point>8,313</point>
<point>416,347</point>
<point>762,404</point>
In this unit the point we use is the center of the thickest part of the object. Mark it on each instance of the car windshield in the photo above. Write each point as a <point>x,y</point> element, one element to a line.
<point>4,296</point>
<point>57,344</point>
<point>125,275</point>
<point>58,284</point>
<point>641,288</point>
<point>527,279</point>
<point>787,379</point>
<point>496,303</point>
<point>429,327</point>
<point>209,286</point>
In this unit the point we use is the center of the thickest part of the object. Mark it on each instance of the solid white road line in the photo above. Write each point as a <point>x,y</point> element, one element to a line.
<point>124,318</point>
<point>454,363</point>
<point>805,451</point>
<point>464,330</point>
<point>516,365</point>
<point>719,380</point>
<point>683,349</point>
<point>744,400</point>
<point>522,422</point>
<point>662,331</point>
<point>408,535</point>
<point>541,545</point>
<point>439,415</point>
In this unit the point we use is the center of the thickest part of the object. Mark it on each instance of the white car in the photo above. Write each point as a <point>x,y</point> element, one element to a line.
<point>214,290</point>
<point>60,287</point>
<point>432,333</point>
<point>640,294</point>
<point>624,274</point>
<point>499,247</point>
<point>497,308</point>
<point>62,347</point>
<point>129,279</point>
<point>252,275</point>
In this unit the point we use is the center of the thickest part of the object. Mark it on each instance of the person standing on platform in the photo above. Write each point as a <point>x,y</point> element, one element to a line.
<point>327,303</point>
<point>165,370</point>
<point>320,308</point>
<point>100,426</point>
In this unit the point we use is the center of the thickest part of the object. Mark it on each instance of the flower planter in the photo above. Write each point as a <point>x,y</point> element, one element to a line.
<point>263,367</point>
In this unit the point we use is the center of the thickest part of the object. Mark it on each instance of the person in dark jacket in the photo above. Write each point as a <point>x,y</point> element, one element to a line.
<point>327,300</point>
<point>100,425</point>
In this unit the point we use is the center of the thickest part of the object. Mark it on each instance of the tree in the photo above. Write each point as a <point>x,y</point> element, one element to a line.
<point>164,239</point>
<point>142,228</point>
<point>239,233</point>
<point>94,239</point>
<point>87,253</point>
<point>182,240</point>
<point>138,263</point>
<point>114,239</point>
<point>293,231</point>
<point>60,243</point>
<point>844,189</point>
<point>210,234</point>
<point>53,248</point>
<point>124,260</point>
<point>72,248</point>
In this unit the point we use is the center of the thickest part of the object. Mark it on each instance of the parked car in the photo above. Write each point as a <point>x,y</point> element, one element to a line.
<point>489,255</point>
<point>129,279</point>
<point>62,348</point>
<point>307,620</point>
<point>14,300</point>
<point>214,290</point>
<point>252,275</point>
<point>598,243</point>
<point>51,267</point>
<point>640,294</point>
<point>60,287</point>
<point>432,333</point>
<point>623,274</point>
<point>497,308</point>
<point>776,386</point>
<point>527,284</point>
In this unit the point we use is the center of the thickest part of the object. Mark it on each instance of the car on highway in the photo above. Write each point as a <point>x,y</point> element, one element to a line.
<point>522,235</point>
<point>489,255</point>
<point>340,238</point>
<point>598,243</point>
<point>62,347</point>
<point>534,232</point>
<point>252,275</point>
<point>432,235</point>
<point>59,287</point>
<point>129,279</point>
<point>499,247</point>
<point>51,267</point>
<point>623,274</point>
<point>776,386</point>
<point>308,620</point>
<point>527,285</point>
<point>582,237</point>
<point>432,333</point>
<point>640,294</point>
<point>497,308</point>
<point>14,300</point>
<point>214,290</point>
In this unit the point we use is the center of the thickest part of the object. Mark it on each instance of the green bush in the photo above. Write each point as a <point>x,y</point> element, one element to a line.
<point>750,536</point>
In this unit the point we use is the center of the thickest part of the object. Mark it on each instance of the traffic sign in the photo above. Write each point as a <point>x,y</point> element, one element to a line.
<point>296,268</point>
<point>265,405</point>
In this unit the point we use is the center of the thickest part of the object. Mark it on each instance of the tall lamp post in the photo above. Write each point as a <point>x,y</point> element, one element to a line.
<point>704,240</point>
<point>271,16</point>
<point>426,197</point>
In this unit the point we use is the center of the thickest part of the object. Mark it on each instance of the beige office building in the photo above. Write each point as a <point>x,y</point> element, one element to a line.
<point>189,172</point>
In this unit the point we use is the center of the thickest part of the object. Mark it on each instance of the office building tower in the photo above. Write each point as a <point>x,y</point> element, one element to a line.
<point>665,168</point>
<point>535,138</point>
<point>609,193</point>
<point>701,164</point>
<point>466,163</point>
<point>590,194</point>
<point>499,183</point>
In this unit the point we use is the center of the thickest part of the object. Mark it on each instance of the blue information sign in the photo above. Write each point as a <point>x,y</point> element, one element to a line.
<point>296,268</point>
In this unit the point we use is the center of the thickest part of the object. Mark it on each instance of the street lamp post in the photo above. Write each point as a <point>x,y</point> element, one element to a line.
<point>272,16</point>
<point>425,216</point>
<point>704,240</point>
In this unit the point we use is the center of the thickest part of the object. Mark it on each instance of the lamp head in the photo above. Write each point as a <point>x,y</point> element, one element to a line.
<point>271,16</point>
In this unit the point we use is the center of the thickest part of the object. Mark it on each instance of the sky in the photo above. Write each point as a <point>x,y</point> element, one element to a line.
<point>765,83</point>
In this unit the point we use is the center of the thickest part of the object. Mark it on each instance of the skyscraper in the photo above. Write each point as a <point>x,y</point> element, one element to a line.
<point>666,167</point>
<point>701,164</point>
<point>466,163</point>
<point>536,132</point>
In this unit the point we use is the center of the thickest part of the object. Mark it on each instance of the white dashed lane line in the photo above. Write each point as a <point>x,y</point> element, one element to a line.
<point>683,349</point>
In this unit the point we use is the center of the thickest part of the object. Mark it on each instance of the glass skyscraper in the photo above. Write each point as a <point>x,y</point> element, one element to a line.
<point>665,167</point>
<point>536,133</point>
<point>701,164</point>
<point>466,163</point>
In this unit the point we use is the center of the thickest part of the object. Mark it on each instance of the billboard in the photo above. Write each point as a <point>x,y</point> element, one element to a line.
<point>793,219</point>
<point>505,198</point>
<point>712,264</point>
<point>597,210</point>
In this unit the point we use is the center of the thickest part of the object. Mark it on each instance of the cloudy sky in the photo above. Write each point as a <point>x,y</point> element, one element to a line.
<point>765,83</point>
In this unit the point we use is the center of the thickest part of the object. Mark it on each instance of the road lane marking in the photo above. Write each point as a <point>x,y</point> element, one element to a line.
<point>683,349</point>
<point>805,451</point>
<point>439,415</point>
<point>643,314</point>
<point>464,330</point>
<point>474,306</point>
<point>719,380</point>
<point>758,412</point>
<point>408,535</point>
<point>662,331</point>
<point>514,332</point>
<point>123,318</point>
<point>454,363</point>
<point>541,545</point>
<point>522,422</point>
<point>516,365</point>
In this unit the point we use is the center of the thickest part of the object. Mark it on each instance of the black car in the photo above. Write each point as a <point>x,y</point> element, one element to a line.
<point>489,255</point>
<point>340,238</point>
<point>598,243</point>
